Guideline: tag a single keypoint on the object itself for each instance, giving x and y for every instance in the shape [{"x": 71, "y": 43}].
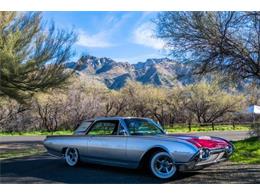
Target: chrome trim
[
  {"x": 196, "y": 155},
  {"x": 210, "y": 162},
  {"x": 214, "y": 151}
]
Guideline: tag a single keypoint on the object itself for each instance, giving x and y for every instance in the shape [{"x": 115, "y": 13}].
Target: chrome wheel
[
  {"x": 71, "y": 156},
  {"x": 162, "y": 165}
]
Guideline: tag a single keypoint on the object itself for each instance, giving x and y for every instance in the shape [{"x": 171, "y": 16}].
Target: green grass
[
  {"x": 35, "y": 133},
  {"x": 175, "y": 129},
  {"x": 20, "y": 153},
  {"x": 198, "y": 128},
  {"x": 247, "y": 151}
]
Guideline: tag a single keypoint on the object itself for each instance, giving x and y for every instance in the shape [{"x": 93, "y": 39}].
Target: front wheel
[
  {"x": 72, "y": 156},
  {"x": 162, "y": 165}
]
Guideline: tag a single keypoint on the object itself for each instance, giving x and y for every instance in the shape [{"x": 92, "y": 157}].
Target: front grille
[{"x": 213, "y": 158}]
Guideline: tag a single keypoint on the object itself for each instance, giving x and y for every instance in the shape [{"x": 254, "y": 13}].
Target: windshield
[{"x": 142, "y": 127}]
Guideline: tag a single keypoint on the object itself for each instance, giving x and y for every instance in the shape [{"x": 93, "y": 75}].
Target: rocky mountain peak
[{"x": 158, "y": 72}]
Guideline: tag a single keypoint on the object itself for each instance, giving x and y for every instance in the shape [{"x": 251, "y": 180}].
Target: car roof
[{"x": 114, "y": 118}]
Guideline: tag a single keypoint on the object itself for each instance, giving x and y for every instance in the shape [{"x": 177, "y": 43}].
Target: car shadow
[{"x": 46, "y": 169}]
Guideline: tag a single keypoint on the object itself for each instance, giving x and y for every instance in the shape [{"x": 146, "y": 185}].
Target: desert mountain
[{"x": 158, "y": 72}]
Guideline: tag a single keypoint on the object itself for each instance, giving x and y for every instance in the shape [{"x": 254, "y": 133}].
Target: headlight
[
  {"x": 229, "y": 149},
  {"x": 204, "y": 153}
]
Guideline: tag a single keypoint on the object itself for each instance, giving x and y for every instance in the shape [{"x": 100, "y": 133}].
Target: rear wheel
[
  {"x": 162, "y": 165},
  {"x": 72, "y": 156}
]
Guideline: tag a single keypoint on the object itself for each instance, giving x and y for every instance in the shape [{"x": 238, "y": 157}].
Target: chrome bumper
[{"x": 214, "y": 156}]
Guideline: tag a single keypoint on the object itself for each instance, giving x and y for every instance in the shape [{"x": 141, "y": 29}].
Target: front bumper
[{"x": 214, "y": 156}]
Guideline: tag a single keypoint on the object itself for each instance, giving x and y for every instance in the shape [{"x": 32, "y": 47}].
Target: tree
[
  {"x": 114, "y": 103},
  {"x": 136, "y": 98},
  {"x": 156, "y": 103},
  {"x": 14, "y": 116},
  {"x": 50, "y": 110},
  {"x": 59, "y": 109},
  {"x": 32, "y": 57},
  {"x": 208, "y": 102},
  {"x": 176, "y": 102},
  {"x": 144, "y": 101},
  {"x": 225, "y": 42},
  {"x": 84, "y": 100},
  {"x": 252, "y": 93}
]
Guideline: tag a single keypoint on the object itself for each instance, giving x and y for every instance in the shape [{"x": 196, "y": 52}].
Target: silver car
[{"x": 134, "y": 142}]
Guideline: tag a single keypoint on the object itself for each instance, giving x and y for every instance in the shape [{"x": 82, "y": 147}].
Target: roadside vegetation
[
  {"x": 20, "y": 150},
  {"x": 20, "y": 153},
  {"x": 205, "y": 104},
  {"x": 215, "y": 127},
  {"x": 178, "y": 128},
  {"x": 36, "y": 133},
  {"x": 247, "y": 151}
]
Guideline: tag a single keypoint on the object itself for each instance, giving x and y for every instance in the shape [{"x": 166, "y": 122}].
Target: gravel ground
[
  {"x": 46, "y": 169},
  {"x": 6, "y": 147},
  {"x": 12, "y": 139}
]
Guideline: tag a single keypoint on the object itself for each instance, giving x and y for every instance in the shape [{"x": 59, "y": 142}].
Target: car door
[{"x": 105, "y": 144}]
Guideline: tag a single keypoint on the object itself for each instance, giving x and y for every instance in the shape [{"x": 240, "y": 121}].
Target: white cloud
[
  {"x": 103, "y": 38},
  {"x": 99, "y": 40},
  {"x": 144, "y": 35}
]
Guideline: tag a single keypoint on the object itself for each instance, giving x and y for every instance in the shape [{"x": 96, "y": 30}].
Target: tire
[
  {"x": 162, "y": 165},
  {"x": 72, "y": 157}
]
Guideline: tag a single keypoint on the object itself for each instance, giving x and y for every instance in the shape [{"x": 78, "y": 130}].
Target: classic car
[{"x": 134, "y": 142}]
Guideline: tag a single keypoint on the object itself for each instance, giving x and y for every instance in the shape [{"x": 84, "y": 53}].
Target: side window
[{"x": 104, "y": 128}]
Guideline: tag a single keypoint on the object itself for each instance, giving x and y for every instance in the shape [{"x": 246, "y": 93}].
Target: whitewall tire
[
  {"x": 162, "y": 165},
  {"x": 72, "y": 156}
]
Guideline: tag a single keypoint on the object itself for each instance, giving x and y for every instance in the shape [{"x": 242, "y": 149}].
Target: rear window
[{"x": 83, "y": 127}]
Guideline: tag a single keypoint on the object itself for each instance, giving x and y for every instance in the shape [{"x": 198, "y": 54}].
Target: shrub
[{"x": 255, "y": 129}]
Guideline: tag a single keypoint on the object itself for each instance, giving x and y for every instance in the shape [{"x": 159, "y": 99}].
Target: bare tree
[
  {"x": 252, "y": 93},
  {"x": 50, "y": 111},
  {"x": 14, "y": 116},
  {"x": 176, "y": 102},
  {"x": 136, "y": 99},
  {"x": 208, "y": 102},
  {"x": 114, "y": 103},
  {"x": 225, "y": 42}
]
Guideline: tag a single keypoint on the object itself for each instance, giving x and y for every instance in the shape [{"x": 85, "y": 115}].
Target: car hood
[{"x": 203, "y": 141}]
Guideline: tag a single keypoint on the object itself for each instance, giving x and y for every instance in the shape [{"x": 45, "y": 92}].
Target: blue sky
[{"x": 122, "y": 36}]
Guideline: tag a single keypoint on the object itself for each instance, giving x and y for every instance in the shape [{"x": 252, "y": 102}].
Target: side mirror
[{"x": 122, "y": 132}]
